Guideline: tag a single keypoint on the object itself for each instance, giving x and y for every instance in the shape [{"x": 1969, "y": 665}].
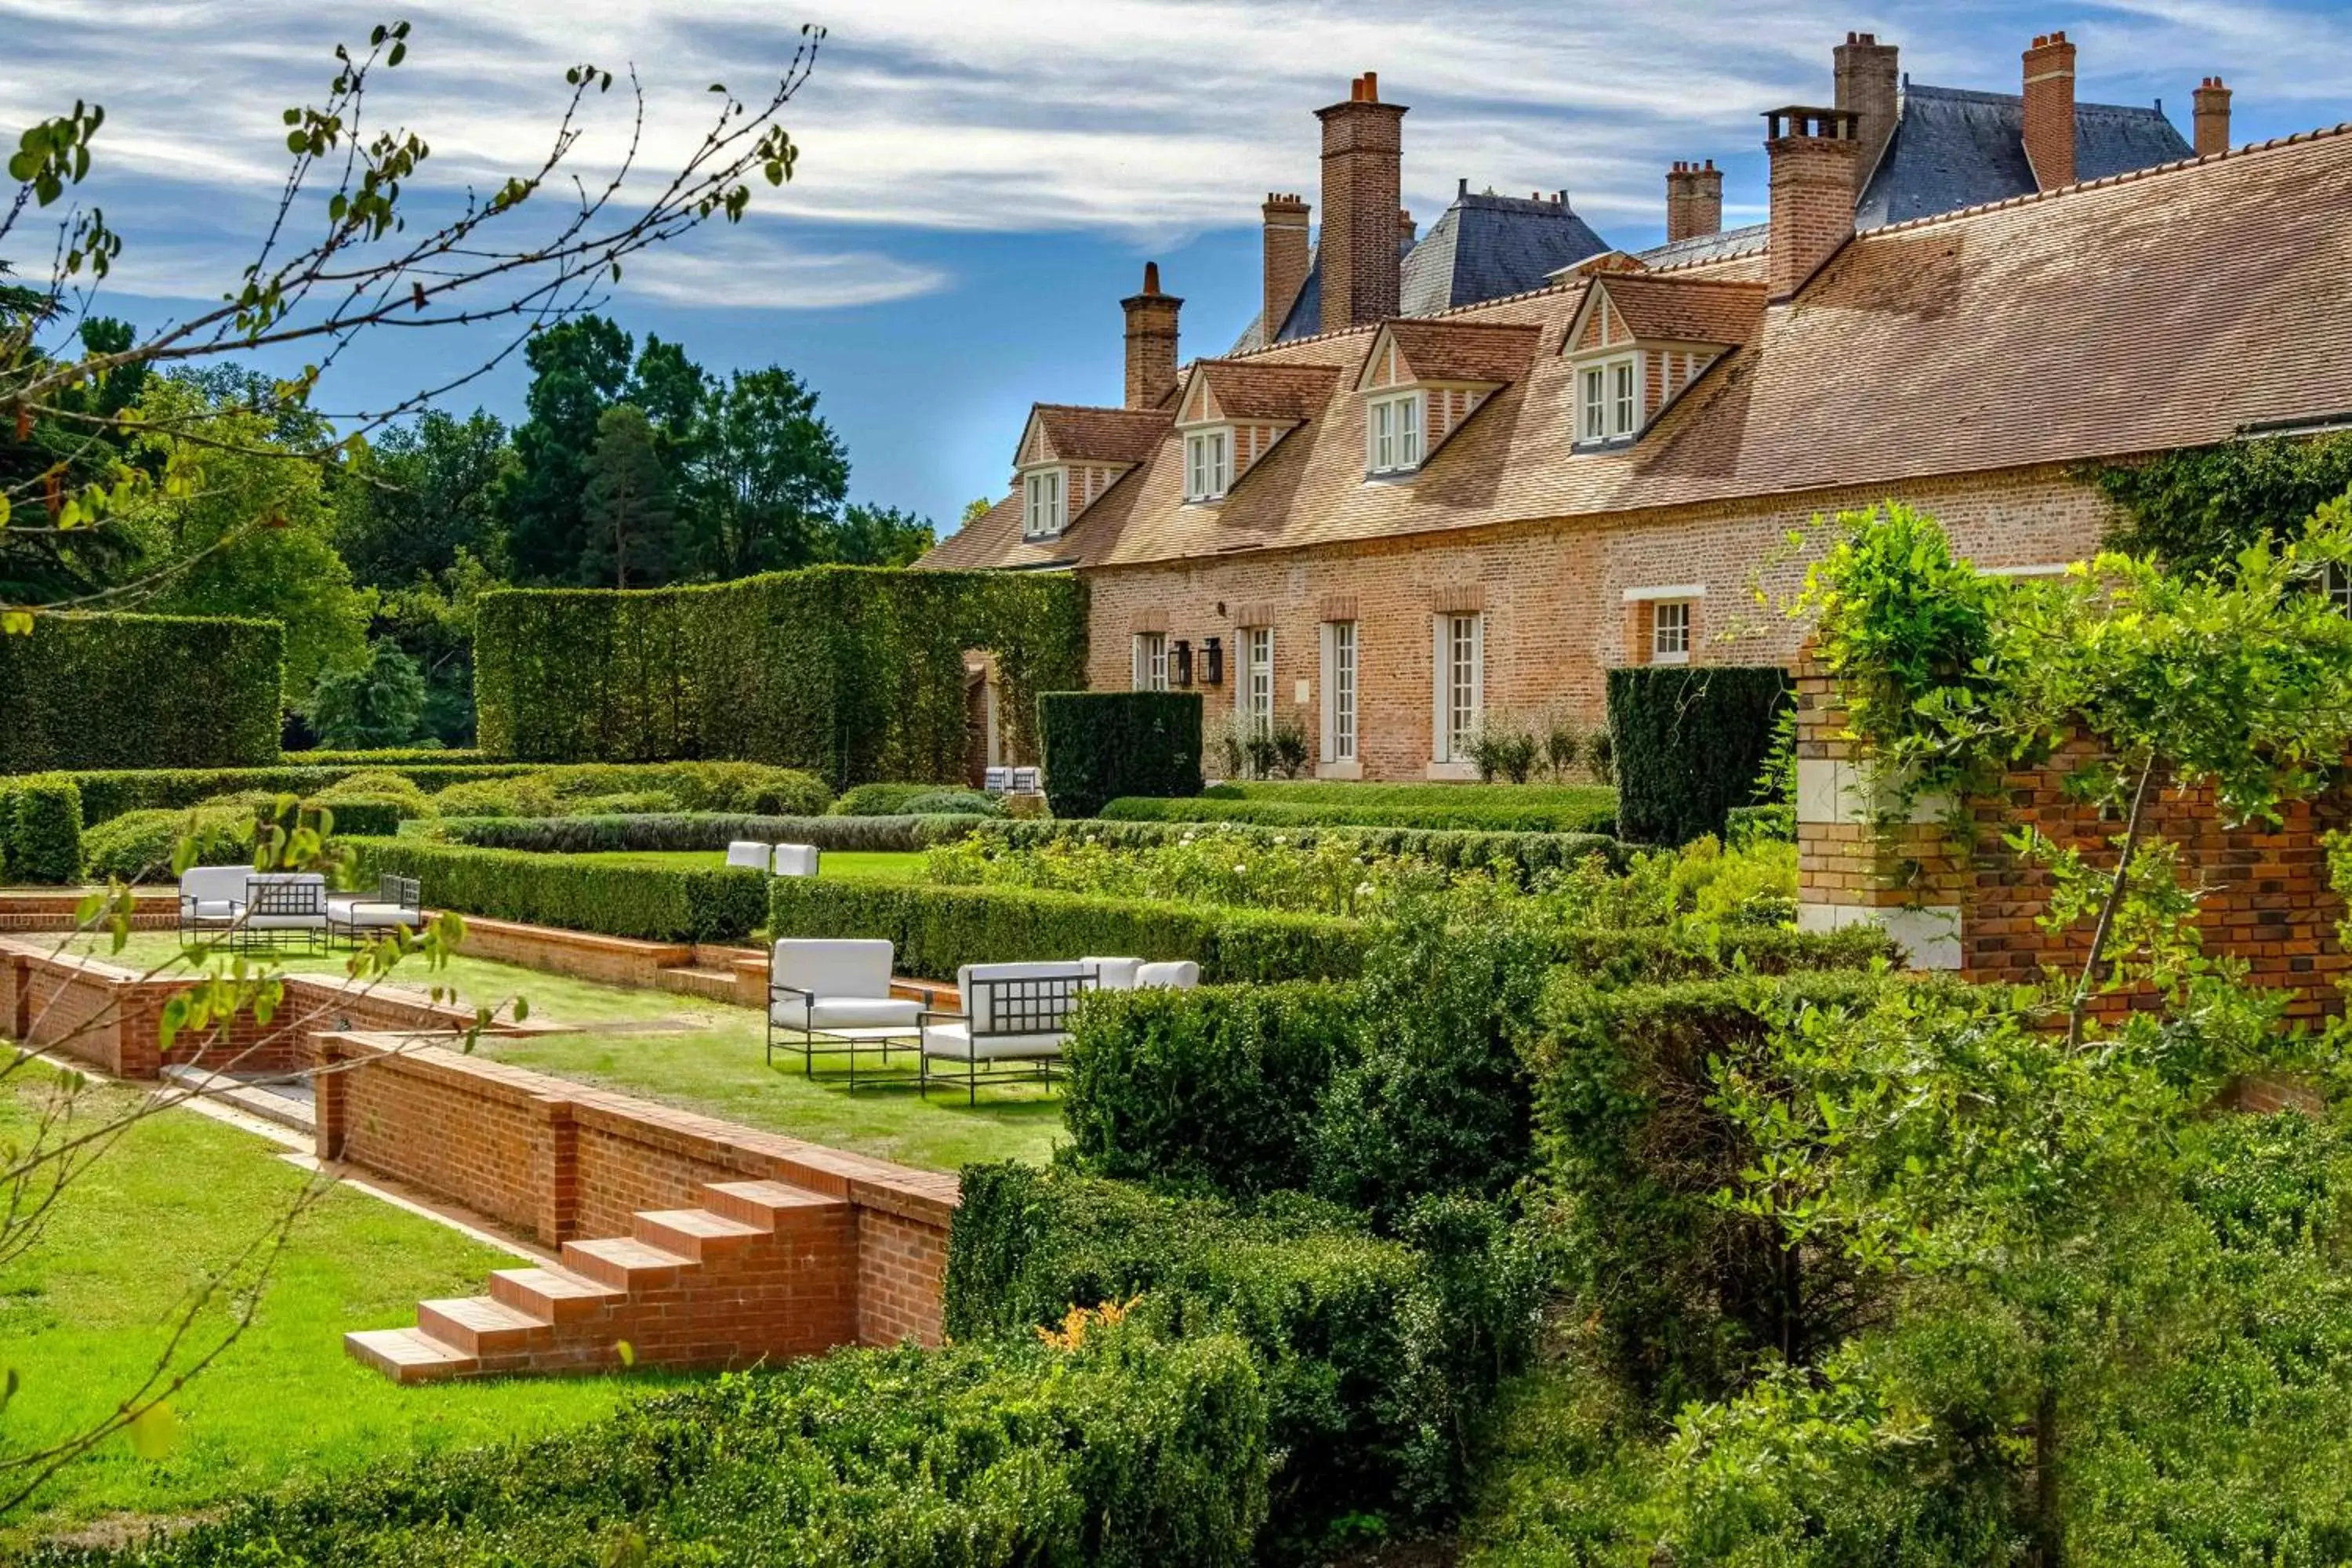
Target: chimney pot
[
  {"x": 2211, "y": 117},
  {"x": 2050, "y": 111},
  {"x": 1373, "y": 84},
  {"x": 1152, "y": 278}
]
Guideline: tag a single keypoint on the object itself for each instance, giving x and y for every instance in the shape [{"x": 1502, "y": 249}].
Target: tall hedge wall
[
  {"x": 139, "y": 691},
  {"x": 855, "y": 673},
  {"x": 1099, "y": 745},
  {"x": 1690, "y": 742}
]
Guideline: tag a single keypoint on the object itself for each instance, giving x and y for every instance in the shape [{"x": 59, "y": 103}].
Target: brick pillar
[
  {"x": 1693, "y": 200},
  {"x": 559, "y": 1197},
  {"x": 1868, "y": 82},
  {"x": 1907, "y": 877},
  {"x": 1150, "y": 343},
  {"x": 330, "y": 1091},
  {"x": 18, "y": 996}
]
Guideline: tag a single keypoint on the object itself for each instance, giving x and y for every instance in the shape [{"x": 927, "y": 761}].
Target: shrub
[
  {"x": 1525, "y": 854},
  {"x": 386, "y": 757},
  {"x": 1747, "y": 824},
  {"x": 1101, "y": 744},
  {"x": 1688, "y": 1292},
  {"x": 138, "y": 846},
  {"x": 955, "y": 802},
  {"x": 83, "y": 691},
  {"x": 1689, "y": 741},
  {"x": 1504, "y": 747},
  {"x": 650, "y": 903},
  {"x": 583, "y": 835},
  {"x": 938, "y": 929},
  {"x": 883, "y": 799},
  {"x": 853, "y": 673},
  {"x": 44, "y": 830},
  {"x": 372, "y": 802},
  {"x": 1215, "y": 1087},
  {"x": 1652, "y": 957},
  {"x": 518, "y": 796},
  {"x": 1125, "y": 1451},
  {"x": 1356, "y": 1336},
  {"x": 1494, "y": 809}
]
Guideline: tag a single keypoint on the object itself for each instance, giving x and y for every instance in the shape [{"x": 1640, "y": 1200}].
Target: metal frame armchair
[
  {"x": 831, "y": 997},
  {"x": 398, "y": 904},
  {"x": 1015, "y": 1016}
]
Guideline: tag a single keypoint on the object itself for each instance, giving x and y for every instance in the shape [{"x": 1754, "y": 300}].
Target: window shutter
[{"x": 1136, "y": 675}]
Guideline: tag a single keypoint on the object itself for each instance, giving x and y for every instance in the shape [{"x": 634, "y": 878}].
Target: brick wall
[
  {"x": 1553, "y": 595},
  {"x": 562, "y": 1162}
]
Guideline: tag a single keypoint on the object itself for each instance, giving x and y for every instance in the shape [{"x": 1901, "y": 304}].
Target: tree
[
  {"x": 631, "y": 512},
  {"x": 378, "y": 704},
  {"x": 770, "y": 477},
  {"x": 974, "y": 510},
  {"x": 877, "y": 536},
  {"x": 408, "y": 502},
  {"x": 579, "y": 370}
]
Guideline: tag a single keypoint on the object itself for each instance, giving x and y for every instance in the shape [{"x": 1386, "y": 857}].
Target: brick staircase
[{"x": 761, "y": 1270}]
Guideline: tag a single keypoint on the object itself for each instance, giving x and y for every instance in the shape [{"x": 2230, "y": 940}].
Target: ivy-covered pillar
[{"x": 1861, "y": 859}]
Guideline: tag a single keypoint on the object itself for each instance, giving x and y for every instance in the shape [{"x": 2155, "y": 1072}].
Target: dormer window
[
  {"x": 1393, "y": 430},
  {"x": 1208, "y": 465},
  {"x": 1044, "y": 504},
  {"x": 1608, "y": 400}
]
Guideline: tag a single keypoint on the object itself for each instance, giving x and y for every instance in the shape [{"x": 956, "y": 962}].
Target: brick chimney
[
  {"x": 1866, "y": 78},
  {"x": 1812, "y": 153},
  {"x": 2212, "y": 116},
  {"x": 1363, "y": 191},
  {"x": 1693, "y": 200},
  {"x": 1407, "y": 230},
  {"x": 1286, "y": 258},
  {"x": 1151, "y": 341},
  {"x": 2050, "y": 111}
]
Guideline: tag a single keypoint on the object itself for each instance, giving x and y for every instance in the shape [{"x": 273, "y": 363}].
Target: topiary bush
[
  {"x": 1126, "y": 1451},
  {"x": 853, "y": 673},
  {"x": 1215, "y": 1088},
  {"x": 138, "y": 846},
  {"x": 1098, "y": 745},
  {"x": 1690, "y": 742},
  {"x": 44, "y": 831},
  {"x": 886, "y": 799},
  {"x": 86, "y": 691},
  {"x": 374, "y": 802},
  {"x": 650, "y": 903}
]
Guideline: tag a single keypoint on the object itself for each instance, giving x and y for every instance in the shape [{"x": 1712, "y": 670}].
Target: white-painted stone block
[{"x": 1929, "y": 934}]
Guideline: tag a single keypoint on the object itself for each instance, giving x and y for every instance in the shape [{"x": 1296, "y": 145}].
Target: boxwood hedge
[
  {"x": 40, "y": 830},
  {"x": 1526, "y": 853},
  {"x": 1690, "y": 740},
  {"x": 1128, "y": 1451},
  {"x": 1470, "y": 807},
  {"x": 650, "y": 903},
  {"x": 139, "y": 691},
  {"x": 672, "y": 831},
  {"x": 855, "y": 673},
  {"x": 1097, "y": 745},
  {"x": 938, "y": 929}
]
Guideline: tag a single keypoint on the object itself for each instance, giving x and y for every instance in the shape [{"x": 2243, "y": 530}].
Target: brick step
[
  {"x": 763, "y": 1203},
  {"x": 624, "y": 1261},
  {"x": 481, "y": 1325},
  {"x": 409, "y": 1355},
  {"x": 712, "y": 984},
  {"x": 555, "y": 1295}
]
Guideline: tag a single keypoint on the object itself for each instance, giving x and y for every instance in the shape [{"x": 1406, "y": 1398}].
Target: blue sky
[{"x": 980, "y": 181}]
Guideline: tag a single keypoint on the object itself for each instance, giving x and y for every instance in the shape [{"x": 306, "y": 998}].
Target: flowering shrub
[{"x": 1214, "y": 866}]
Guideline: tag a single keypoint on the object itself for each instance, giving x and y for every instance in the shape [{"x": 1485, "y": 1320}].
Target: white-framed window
[
  {"x": 2339, "y": 589},
  {"x": 1257, "y": 689},
  {"x": 1670, "y": 631},
  {"x": 1152, "y": 661},
  {"x": 1043, "y": 504},
  {"x": 1208, "y": 464},
  {"x": 1609, "y": 399},
  {"x": 1339, "y": 691},
  {"x": 1461, "y": 686},
  {"x": 1393, "y": 431}
]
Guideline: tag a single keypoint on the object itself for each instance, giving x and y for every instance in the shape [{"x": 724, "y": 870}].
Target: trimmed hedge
[
  {"x": 40, "y": 830},
  {"x": 672, "y": 831},
  {"x": 650, "y": 903},
  {"x": 936, "y": 929},
  {"x": 1215, "y": 1088},
  {"x": 1690, "y": 742},
  {"x": 127, "y": 691},
  {"x": 1127, "y": 1452},
  {"x": 1759, "y": 824},
  {"x": 1456, "y": 850},
  {"x": 853, "y": 673},
  {"x": 1480, "y": 810},
  {"x": 1653, "y": 956},
  {"x": 385, "y": 757},
  {"x": 1378, "y": 1357},
  {"x": 1098, "y": 745}
]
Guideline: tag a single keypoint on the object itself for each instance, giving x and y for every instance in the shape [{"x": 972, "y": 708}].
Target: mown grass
[{"x": 86, "y": 1313}]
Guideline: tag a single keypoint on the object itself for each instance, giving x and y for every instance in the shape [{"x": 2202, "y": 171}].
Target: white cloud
[{"x": 753, "y": 272}]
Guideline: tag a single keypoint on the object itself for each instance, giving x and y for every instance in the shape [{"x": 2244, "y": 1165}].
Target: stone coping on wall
[{"x": 54, "y": 908}]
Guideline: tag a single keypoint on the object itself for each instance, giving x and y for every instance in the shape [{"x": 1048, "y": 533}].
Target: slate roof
[
  {"x": 1082, "y": 435},
  {"x": 1464, "y": 351},
  {"x": 1482, "y": 248},
  {"x": 1722, "y": 244},
  {"x": 2050, "y": 329},
  {"x": 1954, "y": 147},
  {"x": 1686, "y": 310}
]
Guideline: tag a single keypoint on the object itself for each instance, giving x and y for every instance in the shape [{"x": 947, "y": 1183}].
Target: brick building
[{"x": 1474, "y": 470}]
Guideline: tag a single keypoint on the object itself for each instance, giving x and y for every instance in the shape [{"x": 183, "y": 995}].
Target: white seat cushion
[
  {"x": 832, "y": 967},
  {"x": 358, "y": 909},
  {"x": 286, "y": 922},
  {"x": 1114, "y": 974},
  {"x": 795, "y": 861},
  {"x": 954, "y": 1042},
  {"x": 210, "y": 910},
  {"x": 848, "y": 1012},
  {"x": 1180, "y": 974},
  {"x": 742, "y": 852}
]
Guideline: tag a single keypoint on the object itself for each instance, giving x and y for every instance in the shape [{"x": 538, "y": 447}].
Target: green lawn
[
  {"x": 710, "y": 1056},
  {"x": 880, "y": 865},
  {"x": 84, "y": 1314}
]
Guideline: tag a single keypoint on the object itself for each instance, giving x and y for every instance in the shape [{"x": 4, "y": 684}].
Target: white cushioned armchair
[
  {"x": 820, "y": 986},
  {"x": 1014, "y": 1014}
]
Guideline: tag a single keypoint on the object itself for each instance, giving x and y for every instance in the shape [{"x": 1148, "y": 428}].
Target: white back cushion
[
  {"x": 1114, "y": 974},
  {"x": 743, "y": 852},
  {"x": 833, "y": 966},
  {"x": 795, "y": 861},
  {"x": 214, "y": 883},
  {"x": 1181, "y": 974}
]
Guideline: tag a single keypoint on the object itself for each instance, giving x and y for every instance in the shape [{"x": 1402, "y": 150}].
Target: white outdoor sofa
[
  {"x": 253, "y": 908},
  {"x": 776, "y": 859},
  {"x": 398, "y": 904},
  {"x": 831, "y": 997},
  {"x": 1016, "y": 1018}
]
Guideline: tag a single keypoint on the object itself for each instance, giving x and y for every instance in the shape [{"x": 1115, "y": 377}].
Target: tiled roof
[
  {"x": 1466, "y": 351},
  {"x": 1254, "y": 390},
  {"x": 1953, "y": 149},
  {"x": 1724, "y": 245},
  {"x": 2081, "y": 324},
  {"x": 1686, "y": 310},
  {"x": 993, "y": 540},
  {"x": 1102, "y": 434}
]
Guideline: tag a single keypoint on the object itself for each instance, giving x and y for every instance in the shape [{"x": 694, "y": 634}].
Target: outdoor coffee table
[{"x": 853, "y": 1044}]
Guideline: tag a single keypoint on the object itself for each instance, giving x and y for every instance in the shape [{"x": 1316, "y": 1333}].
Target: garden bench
[
  {"x": 282, "y": 907},
  {"x": 831, "y": 997},
  {"x": 397, "y": 902}
]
